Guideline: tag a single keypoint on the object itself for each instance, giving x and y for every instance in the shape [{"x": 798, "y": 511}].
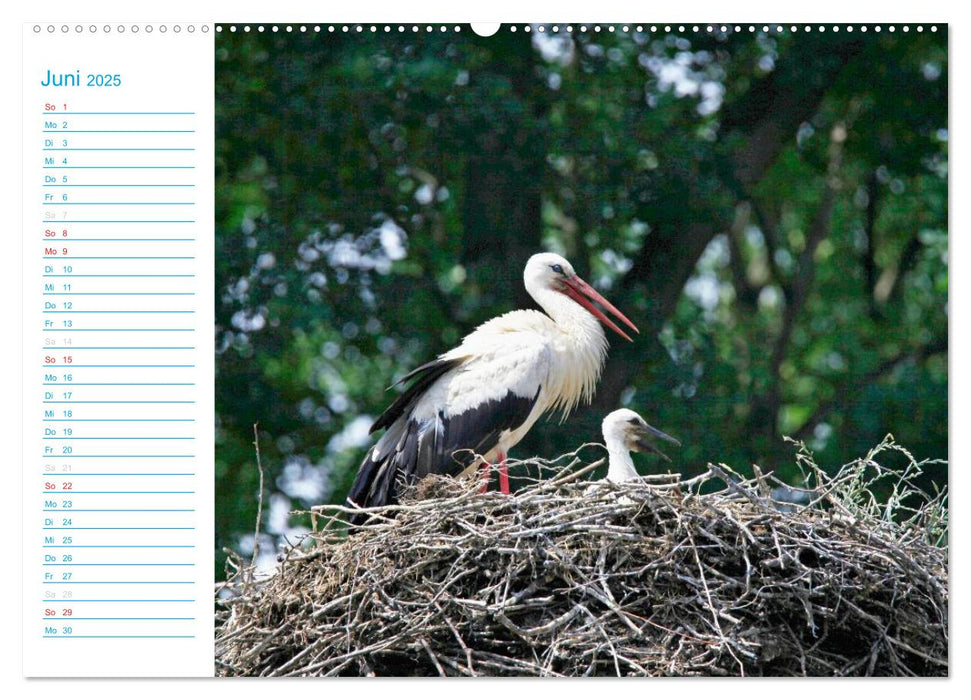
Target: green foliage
[{"x": 770, "y": 209}]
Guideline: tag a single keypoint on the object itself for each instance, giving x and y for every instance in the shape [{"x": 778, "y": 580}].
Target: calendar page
[
  {"x": 507, "y": 349},
  {"x": 118, "y": 361}
]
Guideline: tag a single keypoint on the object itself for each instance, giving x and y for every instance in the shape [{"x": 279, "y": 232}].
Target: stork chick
[{"x": 623, "y": 431}]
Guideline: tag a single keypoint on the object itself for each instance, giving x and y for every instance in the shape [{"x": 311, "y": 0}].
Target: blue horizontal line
[
  {"x": 75, "y": 240},
  {"x": 121, "y": 474},
  {"x": 124, "y": 185},
  {"x": 116, "y": 420},
  {"x": 119, "y": 167},
  {"x": 119, "y": 275},
  {"x": 120, "y": 257},
  {"x": 120, "y": 600},
  {"x": 118, "y": 636},
  {"x": 123, "y": 311},
  {"x": 119, "y": 347},
  {"x": 124, "y": 294},
  {"x": 125, "y": 456},
  {"x": 71, "y": 583},
  {"x": 118, "y": 221},
  {"x": 119, "y": 528},
  {"x": 72, "y": 492},
  {"x": 118, "y": 384},
  {"x": 119, "y": 546},
  {"x": 113, "y": 330},
  {"x": 119, "y": 401},
  {"x": 115, "y": 204},
  {"x": 119, "y": 564},
  {"x": 76, "y": 365},
  {"x": 119, "y": 438},
  {"x": 118, "y": 131},
  {"x": 128, "y": 113},
  {"x": 116, "y": 366},
  {"x": 120, "y": 366},
  {"x": 72, "y": 617},
  {"x": 116, "y": 149}
]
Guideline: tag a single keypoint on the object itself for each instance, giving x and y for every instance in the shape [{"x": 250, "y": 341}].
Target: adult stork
[
  {"x": 473, "y": 403},
  {"x": 624, "y": 431}
]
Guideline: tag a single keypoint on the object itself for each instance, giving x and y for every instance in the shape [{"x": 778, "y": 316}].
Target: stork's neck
[
  {"x": 621, "y": 465},
  {"x": 580, "y": 346},
  {"x": 574, "y": 320}
]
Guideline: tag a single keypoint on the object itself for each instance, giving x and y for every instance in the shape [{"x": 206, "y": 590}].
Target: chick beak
[{"x": 643, "y": 437}]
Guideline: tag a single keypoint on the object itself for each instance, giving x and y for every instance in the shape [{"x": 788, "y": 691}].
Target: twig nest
[{"x": 675, "y": 578}]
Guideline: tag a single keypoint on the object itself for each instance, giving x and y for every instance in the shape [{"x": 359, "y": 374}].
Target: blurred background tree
[{"x": 770, "y": 208}]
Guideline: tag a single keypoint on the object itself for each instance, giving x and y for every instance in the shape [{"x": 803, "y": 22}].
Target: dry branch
[{"x": 646, "y": 578}]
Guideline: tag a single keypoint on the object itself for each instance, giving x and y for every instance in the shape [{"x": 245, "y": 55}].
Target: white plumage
[
  {"x": 623, "y": 431},
  {"x": 483, "y": 396}
]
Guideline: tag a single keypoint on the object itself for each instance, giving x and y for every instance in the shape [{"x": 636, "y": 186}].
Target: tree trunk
[
  {"x": 505, "y": 162},
  {"x": 758, "y": 127}
]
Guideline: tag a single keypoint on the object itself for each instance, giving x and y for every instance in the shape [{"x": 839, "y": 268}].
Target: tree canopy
[{"x": 770, "y": 208}]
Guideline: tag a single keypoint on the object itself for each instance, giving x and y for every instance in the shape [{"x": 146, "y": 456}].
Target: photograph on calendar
[{"x": 581, "y": 350}]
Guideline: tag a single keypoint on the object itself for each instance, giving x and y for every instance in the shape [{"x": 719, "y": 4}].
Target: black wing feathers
[
  {"x": 477, "y": 430},
  {"x": 427, "y": 375},
  {"x": 362, "y": 484},
  {"x": 446, "y": 445}
]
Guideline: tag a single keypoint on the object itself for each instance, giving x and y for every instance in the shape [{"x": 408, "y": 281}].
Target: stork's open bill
[
  {"x": 470, "y": 405},
  {"x": 623, "y": 431}
]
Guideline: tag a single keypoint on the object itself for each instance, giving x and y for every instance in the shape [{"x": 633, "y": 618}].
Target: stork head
[
  {"x": 554, "y": 272},
  {"x": 624, "y": 428}
]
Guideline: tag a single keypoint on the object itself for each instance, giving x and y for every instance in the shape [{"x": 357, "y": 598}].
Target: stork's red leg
[
  {"x": 486, "y": 473},
  {"x": 503, "y": 473}
]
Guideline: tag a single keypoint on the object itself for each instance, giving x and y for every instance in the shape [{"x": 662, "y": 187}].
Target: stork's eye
[{"x": 558, "y": 269}]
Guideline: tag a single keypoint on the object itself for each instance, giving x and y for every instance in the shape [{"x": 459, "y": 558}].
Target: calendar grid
[{"x": 118, "y": 353}]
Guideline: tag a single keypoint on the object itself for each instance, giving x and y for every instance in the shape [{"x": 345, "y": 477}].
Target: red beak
[{"x": 583, "y": 294}]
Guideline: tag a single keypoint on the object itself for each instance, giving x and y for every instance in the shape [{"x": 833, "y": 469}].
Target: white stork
[
  {"x": 482, "y": 397},
  {"x": 623, "y": 431}
]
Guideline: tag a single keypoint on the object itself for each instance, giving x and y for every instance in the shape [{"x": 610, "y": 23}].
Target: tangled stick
[{"x": 658, "y": 577}]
